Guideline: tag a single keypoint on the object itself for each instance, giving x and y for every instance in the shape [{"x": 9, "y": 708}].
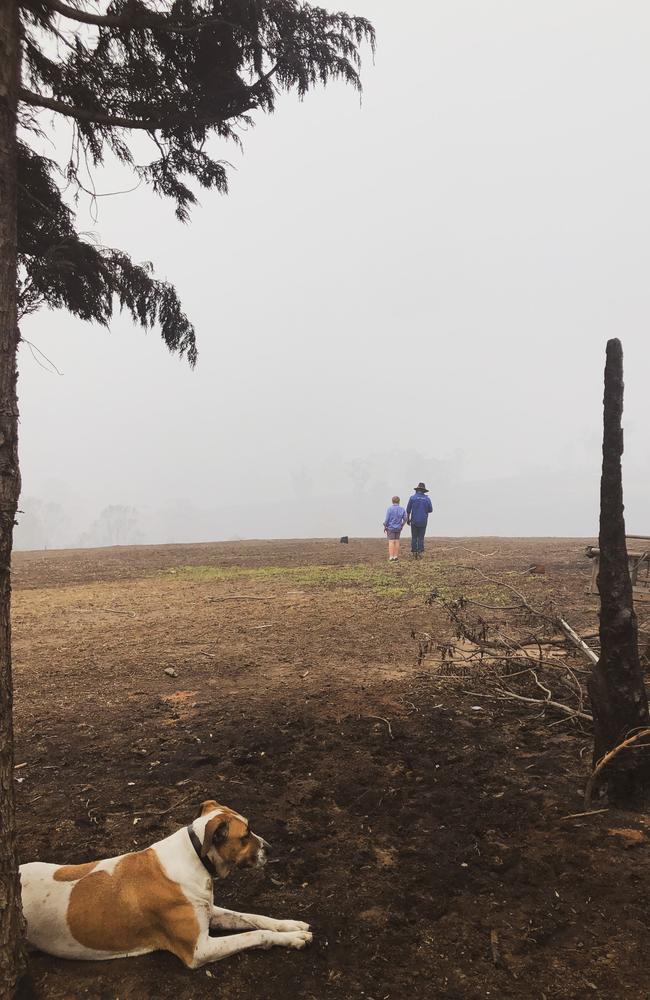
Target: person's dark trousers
[{"x": 417, "y": 537}]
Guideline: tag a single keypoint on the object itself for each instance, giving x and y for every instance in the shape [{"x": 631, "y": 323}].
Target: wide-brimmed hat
[{"x": 421, "y": 486}]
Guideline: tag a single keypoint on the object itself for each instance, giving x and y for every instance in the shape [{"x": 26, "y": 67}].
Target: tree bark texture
[
  {"x": 12, "y": 954},
  {"x": 616, "y": 687}
]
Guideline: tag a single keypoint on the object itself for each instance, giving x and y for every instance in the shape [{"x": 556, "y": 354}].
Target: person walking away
[
  {"x": 417, "y": 514},
  {"x": 393, "y": 523}
]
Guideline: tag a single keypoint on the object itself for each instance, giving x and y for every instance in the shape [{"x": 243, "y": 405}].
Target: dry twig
[
  {"x": 590, "y": 812},
  {"x": 111, "y": 611},
  {"x": 494, "y": 947},
  {"x": 240, "y": 597},
  {"x": 517, "y": 593},
  {"x": 608, "y": 757},
  {"x": 153, "y": 812},
  {"x": 474, "y": 552},
  {"x": 380, "y": 718}
]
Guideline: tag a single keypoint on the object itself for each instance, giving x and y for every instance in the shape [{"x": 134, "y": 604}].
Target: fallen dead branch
[
  {"x": 577, "y": 641},
  {"x": 542, "y": 702},
  {"x": 532, "y": 644}
]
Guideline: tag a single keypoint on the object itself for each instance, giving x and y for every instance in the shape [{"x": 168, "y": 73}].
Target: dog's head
[{"x": 227, "y": 840}]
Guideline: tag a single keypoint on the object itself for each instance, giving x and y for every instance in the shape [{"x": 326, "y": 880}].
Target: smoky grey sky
[{"x": 417, "y": 286}]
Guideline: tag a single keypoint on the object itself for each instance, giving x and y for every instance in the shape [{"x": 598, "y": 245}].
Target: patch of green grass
[
  {"x": 200, "y": 574},
  {"x": 392, "y": 592},
  {"x": 392, "y": 582}
]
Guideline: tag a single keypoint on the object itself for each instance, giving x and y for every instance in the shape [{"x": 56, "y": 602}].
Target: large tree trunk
[
  {"x": 12, "y": 954},
  {"x": 616, "y": 688}
]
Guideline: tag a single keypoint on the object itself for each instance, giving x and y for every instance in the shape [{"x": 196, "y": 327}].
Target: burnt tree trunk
[
  {"x": 12, "y": 954},
  {"x": 616, "y": 687}
]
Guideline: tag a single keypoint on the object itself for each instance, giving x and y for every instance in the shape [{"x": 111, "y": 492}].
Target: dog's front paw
[
  {"x": 290, "y": 925},
  {"x": 294, "y": 939},
  {"x": 301, "y": 938}
]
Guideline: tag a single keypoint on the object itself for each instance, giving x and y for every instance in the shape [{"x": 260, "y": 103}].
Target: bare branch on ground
[{"x": 608, "y": 757}]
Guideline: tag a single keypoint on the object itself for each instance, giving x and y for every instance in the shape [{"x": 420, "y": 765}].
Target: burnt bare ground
[{"x": 420, "y": 828}]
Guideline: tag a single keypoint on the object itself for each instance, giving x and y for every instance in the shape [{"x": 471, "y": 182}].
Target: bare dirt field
[{"x": 420, "y": 828}]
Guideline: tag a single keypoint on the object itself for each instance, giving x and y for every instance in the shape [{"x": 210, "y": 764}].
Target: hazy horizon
[{"x": 419, "y": 286}]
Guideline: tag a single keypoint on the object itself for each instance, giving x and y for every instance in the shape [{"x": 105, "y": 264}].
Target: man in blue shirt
[{"x": 417, "y": 514}]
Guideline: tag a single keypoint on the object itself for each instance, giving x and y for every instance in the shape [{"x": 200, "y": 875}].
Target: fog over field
[{"x": 419, "y": 286}]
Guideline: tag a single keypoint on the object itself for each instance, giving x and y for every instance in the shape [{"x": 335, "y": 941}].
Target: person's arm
[
  {"x": 430, "y": 505},
  {"x": 386, "y": 520},
  {"x": 409, "y": 507},
  {"x": 403, "y": 517}
]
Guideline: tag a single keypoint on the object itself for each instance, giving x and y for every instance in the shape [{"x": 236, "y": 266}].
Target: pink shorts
[{"x": 393, "y": 536}]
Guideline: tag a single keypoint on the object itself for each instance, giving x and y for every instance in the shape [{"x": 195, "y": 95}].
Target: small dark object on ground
[
  {"x": 344, "y": 539},
  {"x": 537, "y": 569}
]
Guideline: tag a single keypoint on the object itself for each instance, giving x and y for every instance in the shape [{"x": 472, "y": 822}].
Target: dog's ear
[
  {"x": 216, "y": 833},
  {"x": 207, "y": 807}
]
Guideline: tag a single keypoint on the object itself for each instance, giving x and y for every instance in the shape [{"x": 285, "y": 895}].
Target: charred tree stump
[{"x": 618, "y": 697}]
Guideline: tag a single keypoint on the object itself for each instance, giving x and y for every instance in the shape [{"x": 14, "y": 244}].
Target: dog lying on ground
[{"x": 157, "y": 899}]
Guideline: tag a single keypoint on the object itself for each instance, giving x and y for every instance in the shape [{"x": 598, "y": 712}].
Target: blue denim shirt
[
  {"x": 419, "y": 507},
  {"x": 395, "y": 518}
]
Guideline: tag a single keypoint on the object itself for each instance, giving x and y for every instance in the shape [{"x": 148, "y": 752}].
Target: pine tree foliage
[
  {"x": 64, "y": 270},
  {"x": 184, "y": 73}
]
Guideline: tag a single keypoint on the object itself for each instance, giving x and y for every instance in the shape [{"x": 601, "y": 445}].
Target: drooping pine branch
[{"x": 62, "y": 270}]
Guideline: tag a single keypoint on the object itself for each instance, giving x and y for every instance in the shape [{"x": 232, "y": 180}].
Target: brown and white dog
[{"x": 157, "y": 899}]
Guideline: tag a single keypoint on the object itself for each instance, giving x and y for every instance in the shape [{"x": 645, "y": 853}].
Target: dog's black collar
[{"x": 196, "y": 844}]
